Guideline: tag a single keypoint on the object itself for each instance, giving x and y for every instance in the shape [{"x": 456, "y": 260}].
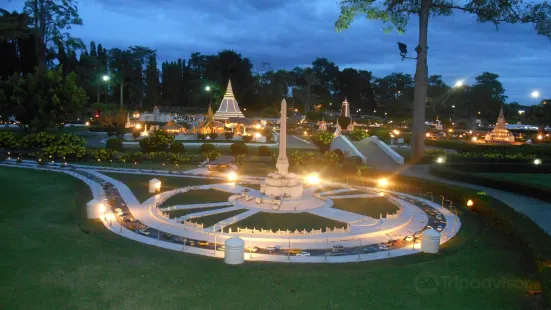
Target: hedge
[{"x": 464, "y": 175}]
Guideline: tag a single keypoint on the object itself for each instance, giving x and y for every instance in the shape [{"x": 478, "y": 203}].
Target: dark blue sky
[{"x": 288, "y": 33}]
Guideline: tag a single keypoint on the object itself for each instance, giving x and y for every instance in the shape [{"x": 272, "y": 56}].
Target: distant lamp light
[
  {"x": 537, "y": 161},
  {"x": 427, "y": 135},
  {"x": 470, "y": 203},
  {"x": 138, "y": 126},
  {"x": 106, "y": 78},
  {"x": 257, "y": 135},
  {"x": 232, "y": 176},
  {"x": 87, "y": 123},
  {"x": 520, "y": 112},
  {"x": 459, "y": 83},
  {"x": 450, "y": 130},
  {"x": 207, "y": 88},
  {"x": 305, "y": 132},
  {"x": 313, "y": 178},
  {"x": 535, "y": 94},
  {"x": 257, "y": 126},
  {"x": 440, "y": 160},
  {"x": 101, "y": 208},
  {"x": 396, "y": 132},
  {"x": 540, "y": 137},
  {"x": 474, "y": 139},
  {"x": 382, "y": 182}
]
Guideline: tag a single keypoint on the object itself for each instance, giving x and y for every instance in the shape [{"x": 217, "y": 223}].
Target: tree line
[{"x": 41, "y": 56}]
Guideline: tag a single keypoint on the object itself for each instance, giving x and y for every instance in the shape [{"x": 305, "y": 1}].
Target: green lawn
[
  {"x": 210, "y": 220},
  {"x": 539, "y": 180},
  {"x": 372, "y": 207},
  {"x": 54, "y": 258},
  {"x": 256, "y": 169},
  {"x": 199, "y": 196},
  {"x": 142, "y": 165},
  {"x": 139, "y": 183},
  {"x": 286, "y": 221},
  {"x": 183, "y": 212}
]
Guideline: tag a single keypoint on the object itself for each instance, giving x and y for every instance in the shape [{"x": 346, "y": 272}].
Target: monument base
[{"x": 278, "y": 185}]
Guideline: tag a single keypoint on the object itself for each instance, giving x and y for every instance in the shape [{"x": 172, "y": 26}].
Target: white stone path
[
  {"x": 207, "y": 213},
  {"x": 196, "y": 206},
  {"x": 231, "y": 220},
  {"x": 338, "y": 191}
]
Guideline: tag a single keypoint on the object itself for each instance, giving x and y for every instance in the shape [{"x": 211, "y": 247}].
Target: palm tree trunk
[{"x": 421, "y": 85}]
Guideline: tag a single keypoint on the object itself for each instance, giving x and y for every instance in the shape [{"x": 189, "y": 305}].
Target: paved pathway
[
  {"x": 537, "y": 210},
  {"x": 196, "y": 206},
  {"x": 207, "y": 213}
]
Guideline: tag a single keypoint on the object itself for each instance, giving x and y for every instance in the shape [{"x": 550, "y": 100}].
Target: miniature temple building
[
  {"x": 500, "y": 134},
  {"x": 173, "y": 127},
  {"x": 229, "y": 106},
  {"x": 322, "y": 125},
  {"x": 345, "y": 108}
]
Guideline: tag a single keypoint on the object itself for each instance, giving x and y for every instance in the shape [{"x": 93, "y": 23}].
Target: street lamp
[
  {"x": 535, "y": 94},
  {"x": 106, "y": 78},
  {"x": 208, "y": 89},
  {"x": 459, "y": 83}
]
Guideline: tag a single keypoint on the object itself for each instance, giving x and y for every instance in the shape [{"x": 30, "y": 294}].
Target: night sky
[{"x": 288, "y": 33}]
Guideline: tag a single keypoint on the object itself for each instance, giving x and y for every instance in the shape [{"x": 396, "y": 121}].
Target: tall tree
[
  {"x": 51, "y": 20},
  {"x": 397, "y": 14},
  {"x": 152, "y": 87},
  {"x": 45, "y": 98}
]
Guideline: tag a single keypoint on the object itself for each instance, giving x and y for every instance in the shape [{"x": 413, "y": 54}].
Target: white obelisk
[{"x": 282, "y": 164}]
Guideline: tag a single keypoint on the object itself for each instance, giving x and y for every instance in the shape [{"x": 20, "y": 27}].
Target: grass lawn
[
  {"x": 49, "y": 261},
  {"x": 142, "y": 165},
  {"x": 210, "y": 220},
  {"x": 139, "y": 183},
  {"x": 179, "y": 213},
  {"x": 327, "y": 188},
  {"x": 372, "y": 207},
  {"x": 199, "y": 196},
  {"x": 256, "y": 169},
  {"x": 538, "y": 180},
  {"x": 286, "y": 221}
]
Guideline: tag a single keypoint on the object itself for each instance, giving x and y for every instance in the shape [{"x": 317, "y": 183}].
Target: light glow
[
  {"x": 540, "y": 137},
  {"x": 427, "y": 135},
  {"x": 382, "y": 182},
  {"x": 87, "y": 123},
  {"x": 313, "y": 178},
  {"x": 440, "y": 160},
  {"x": 470, "y": 203},
  {"x": 257, "y": 135},
  {"x": 232, "y": 176},
  {"x": 459, "y": 83},
  {"x": 101, "y": 208},
  {"x": 537, "y": 161},
  {"x": 474, "y": 139},
  {"x": 138, "y": 126},
  {"x": 535, "y": 94}
]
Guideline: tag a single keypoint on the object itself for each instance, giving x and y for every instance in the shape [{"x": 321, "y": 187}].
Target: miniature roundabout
[{"x": 326, "y": 223}]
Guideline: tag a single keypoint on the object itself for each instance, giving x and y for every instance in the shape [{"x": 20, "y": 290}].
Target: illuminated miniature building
[
  {"x": 500, "y": 134},
  {"x": 228, "y": 107}
]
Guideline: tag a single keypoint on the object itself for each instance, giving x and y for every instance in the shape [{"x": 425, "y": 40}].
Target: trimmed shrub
[
  {"x": 114, "y": 144},
  {"x": 177, "y": 147},
  {"x": 8, "y": 140},
  {"x": 207, "y": 147},
  {"x": 358, "y": 134},
  {"x": 213, "y": 135},
  {"x": 228, "y": 135},
  {"x": 239, "y": 148},
  {"x": 158, "y": 141},
  {"x": 201, "y": 136},
  {"x": 339, "y": 154},
  {"x": 212, "y": 154},
  {"x": 322, "y": 139},
  {"x": 264, "y": 151},
  {"x": 268, "y": 133},
  {"x": 248, "y": 138}
]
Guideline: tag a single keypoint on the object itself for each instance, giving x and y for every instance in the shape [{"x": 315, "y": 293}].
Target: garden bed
[
  {"x": 372, "y": 207},
  {"x": 197, "y": 196},
  {"x": 284, "y": 221}
]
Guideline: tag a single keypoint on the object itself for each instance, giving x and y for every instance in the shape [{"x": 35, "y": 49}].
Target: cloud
[{"x": 287, "y": 33}]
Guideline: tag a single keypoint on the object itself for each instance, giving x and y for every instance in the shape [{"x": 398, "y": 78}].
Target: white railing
[{"x": 279, "y": 232}]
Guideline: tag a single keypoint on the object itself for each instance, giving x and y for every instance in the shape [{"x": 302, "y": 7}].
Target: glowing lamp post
[
  {"x": 470, "y": 203},
  {"x": 537, "y": 161},
  {"x": 382, "y": 182},
  {"x": 154, "y": 186},
  {"x": 232, "y": 176},
  {"x": 440, "y": 160},
  {"x": 138, "y": 126},
  {"x": 313, "y": 178}
]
